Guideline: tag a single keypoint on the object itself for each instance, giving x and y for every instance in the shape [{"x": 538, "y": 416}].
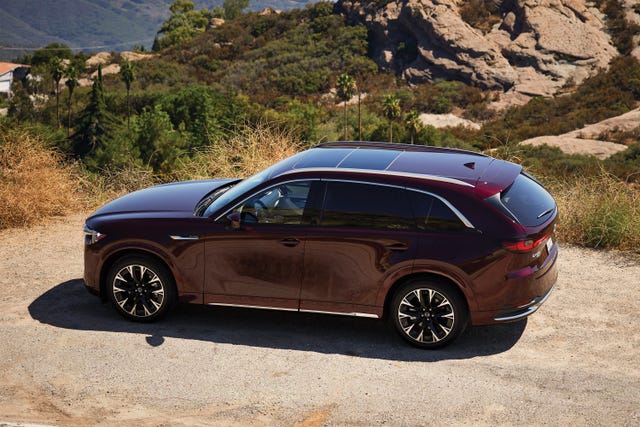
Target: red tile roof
[{"x": 5, "y": 67}]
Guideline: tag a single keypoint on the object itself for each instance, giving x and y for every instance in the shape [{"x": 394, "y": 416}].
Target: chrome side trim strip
[
  {"x": 222, "y": 304},
  {"x": 184, "y": 237},
  {"x": 353, "y": 313}
]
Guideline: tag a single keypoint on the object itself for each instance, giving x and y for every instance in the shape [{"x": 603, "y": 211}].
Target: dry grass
[
  {"x": 599, "y": 212},
  {"x": 242, "y": 154},
  {"x": 113, "y": 183},
  {"x": 35, "y": 183}
]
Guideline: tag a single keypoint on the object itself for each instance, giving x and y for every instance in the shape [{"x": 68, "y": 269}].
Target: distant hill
[{"x": 113, "y": 25}]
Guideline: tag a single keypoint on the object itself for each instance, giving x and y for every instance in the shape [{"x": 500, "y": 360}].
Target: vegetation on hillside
[{"x": 227, "y": 101}]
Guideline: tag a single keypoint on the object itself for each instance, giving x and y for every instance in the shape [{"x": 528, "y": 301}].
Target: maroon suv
[{"x": 430, "y": 238}]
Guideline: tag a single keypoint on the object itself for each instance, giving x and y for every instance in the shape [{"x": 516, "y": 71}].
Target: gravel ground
[{"x": 66, "y": 359}]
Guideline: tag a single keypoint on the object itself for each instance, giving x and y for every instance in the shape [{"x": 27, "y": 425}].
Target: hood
[{"x": 173, "y": 197}]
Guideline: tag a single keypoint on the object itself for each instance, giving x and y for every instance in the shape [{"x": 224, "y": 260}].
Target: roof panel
[
  {"x": 365, "y": 158},
  {"x": 322, "y": 158}
]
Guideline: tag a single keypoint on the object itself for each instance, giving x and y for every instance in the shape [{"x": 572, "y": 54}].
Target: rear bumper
[
  {"x": 522, "y": 293},
  {"x": 520, "y": 312}
]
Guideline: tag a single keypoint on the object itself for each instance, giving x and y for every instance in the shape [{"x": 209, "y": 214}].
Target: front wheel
[
  {"x": 141, "y": 288},
  {"x": 428, "y": 314}
]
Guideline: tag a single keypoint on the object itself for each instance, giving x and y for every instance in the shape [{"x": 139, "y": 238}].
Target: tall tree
[
  {"x": 92, "y": 131},
  {"x": 391, "y": 110},
  {"x": 71, "y": 73},
  {"x": 128, "y": 76},
  {"x": 56, "y": 69},
  {"x": 413, "y": 123},
  {"x": 346, "y": 88},
  {"x": 233, "y": 8},
  {"x": 20, "y": 105},
  {"x": 183, "y": 24}
]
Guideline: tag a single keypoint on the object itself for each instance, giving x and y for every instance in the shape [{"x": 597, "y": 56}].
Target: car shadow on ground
[{"x": 68, "y": 305}]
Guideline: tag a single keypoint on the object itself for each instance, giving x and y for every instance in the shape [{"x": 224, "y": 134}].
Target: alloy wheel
[
  {"x": 426, "y": 315},
  {"x": 138, "y": 290}
]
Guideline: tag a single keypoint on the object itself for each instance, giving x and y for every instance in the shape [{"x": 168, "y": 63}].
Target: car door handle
[
  {"x": 397, "y": 247},
  {"x": 290, "y": 242}
]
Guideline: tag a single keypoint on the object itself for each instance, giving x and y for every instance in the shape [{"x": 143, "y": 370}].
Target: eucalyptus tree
[{"x": 346, "y": 88}]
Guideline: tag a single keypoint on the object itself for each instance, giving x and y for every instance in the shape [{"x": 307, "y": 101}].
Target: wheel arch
[{"x": 124, "y": 252}]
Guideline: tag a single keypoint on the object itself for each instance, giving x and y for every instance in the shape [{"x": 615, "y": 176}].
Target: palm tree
[
  {"x": 413, "y": 122},
  {"x": 56, "y": 68},
  {"x": 391, "y": 110},
  {"x": 72, "y": 82},
  {"x": 346, "y": 88},
  {"x": 128, "y": 76}
]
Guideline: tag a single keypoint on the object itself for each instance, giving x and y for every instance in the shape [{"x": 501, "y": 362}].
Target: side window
[
  {"x": 359, "y": 205},
  {"x": 282, "y": 204},
  {"x": 433, "y": 215}
]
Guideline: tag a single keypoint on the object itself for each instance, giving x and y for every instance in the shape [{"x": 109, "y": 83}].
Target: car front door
[{"x": 256, "y": 259}]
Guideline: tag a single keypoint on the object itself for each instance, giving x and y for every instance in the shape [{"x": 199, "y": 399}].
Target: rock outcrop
[
  {"x": 538, "y": 47},
  {"x": 588, "y": 139}
]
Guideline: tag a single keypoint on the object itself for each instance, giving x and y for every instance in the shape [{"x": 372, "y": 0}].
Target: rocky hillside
[{"x": 526, "y": 48}]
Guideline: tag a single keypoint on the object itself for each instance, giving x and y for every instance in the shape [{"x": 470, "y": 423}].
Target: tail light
[{"x": 525, "y": 245}]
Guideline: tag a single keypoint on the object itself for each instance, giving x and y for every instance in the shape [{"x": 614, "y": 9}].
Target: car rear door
[{"x": 364, "y": 235}]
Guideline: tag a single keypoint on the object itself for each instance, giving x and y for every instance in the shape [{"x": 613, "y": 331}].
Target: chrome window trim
[{"x": 456, "y": 212}]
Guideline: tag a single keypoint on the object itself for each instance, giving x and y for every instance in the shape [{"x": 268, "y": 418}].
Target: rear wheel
[
  {"x": 141, "y": 288},
  {"x": 428, "y": 314}
]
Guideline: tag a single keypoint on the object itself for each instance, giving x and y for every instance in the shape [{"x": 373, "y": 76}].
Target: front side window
[
  {"x": 359, "y": 205},
  {"x": 282, "y": 204}
]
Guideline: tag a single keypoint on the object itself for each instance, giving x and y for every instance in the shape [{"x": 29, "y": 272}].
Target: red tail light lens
[{"x": 524, "y": 245}]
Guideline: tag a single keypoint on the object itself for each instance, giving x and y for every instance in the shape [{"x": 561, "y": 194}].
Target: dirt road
[{"x": 66, "y": 359}]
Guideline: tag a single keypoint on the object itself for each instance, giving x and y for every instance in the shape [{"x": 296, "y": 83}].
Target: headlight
[{"x": 92, "y": 236}]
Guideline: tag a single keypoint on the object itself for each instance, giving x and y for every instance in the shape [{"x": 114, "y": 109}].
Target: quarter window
[
  {"x": 348, "y": 204},
  {"x": 434, "y": 215}
]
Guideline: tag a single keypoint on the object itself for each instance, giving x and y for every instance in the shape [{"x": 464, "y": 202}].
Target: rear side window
[
  {"x": 350, "y": 204},
  {"x": 433, "y": 215},
  {"x": 528, "y": 201}
]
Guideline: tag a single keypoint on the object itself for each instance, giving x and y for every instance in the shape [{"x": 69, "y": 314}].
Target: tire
[
  {"x": 428, "y": 314},
  {"x": 141, "y": 288}
]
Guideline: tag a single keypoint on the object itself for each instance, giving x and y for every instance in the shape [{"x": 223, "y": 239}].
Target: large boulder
[{"x": 538, "y": 47}]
